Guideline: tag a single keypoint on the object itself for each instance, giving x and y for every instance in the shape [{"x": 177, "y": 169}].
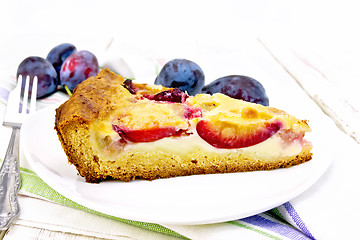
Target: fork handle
[{"x": 10, "y": 182}]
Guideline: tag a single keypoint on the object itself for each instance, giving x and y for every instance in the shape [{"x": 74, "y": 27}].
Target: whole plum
[
  {"x": 239, "y": 87},
  {"x": 44, "y": 70},
  {"x": 183, "y": 74},
  {"x": 58, "y": 55},
  {"x": 78, "y": 67}
]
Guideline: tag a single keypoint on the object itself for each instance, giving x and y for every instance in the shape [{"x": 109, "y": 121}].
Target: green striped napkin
[{"x": 32, "y": 184}]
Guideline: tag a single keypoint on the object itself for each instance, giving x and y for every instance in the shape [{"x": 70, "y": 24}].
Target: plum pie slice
[{"x": 112, "y": 128}]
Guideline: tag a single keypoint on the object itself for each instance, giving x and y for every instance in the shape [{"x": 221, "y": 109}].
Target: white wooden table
[{"x": 324, "y": 66}]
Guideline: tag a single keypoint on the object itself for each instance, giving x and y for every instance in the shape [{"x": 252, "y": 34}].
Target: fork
[{"x": 16, "y": 112}]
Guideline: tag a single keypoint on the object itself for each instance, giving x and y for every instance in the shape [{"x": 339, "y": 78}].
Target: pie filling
[
  {"x": 111, "y": 143},
  {"x": 175, "y": 123}
]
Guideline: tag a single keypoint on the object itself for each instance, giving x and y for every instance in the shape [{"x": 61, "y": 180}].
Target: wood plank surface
[
  {"x": 321, "y": 67},
  {"x": 332, "y": 87},
  {"x": 290, "y": 66},
  {"x": 276, "y": 65}
]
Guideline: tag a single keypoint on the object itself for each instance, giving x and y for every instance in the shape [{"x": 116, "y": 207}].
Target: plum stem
[{"x": 68, "y": 90}]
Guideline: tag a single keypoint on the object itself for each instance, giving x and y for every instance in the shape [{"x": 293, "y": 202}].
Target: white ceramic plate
[{"x": 182, "y": 200}]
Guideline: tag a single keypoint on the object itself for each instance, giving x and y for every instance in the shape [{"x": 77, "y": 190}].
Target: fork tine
[
  {"x": 14, "y": 95},
  {"x": 26, "y": 93},
  {"x": 33, "y": 95},
  {"x": 17, "y": 89}
]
